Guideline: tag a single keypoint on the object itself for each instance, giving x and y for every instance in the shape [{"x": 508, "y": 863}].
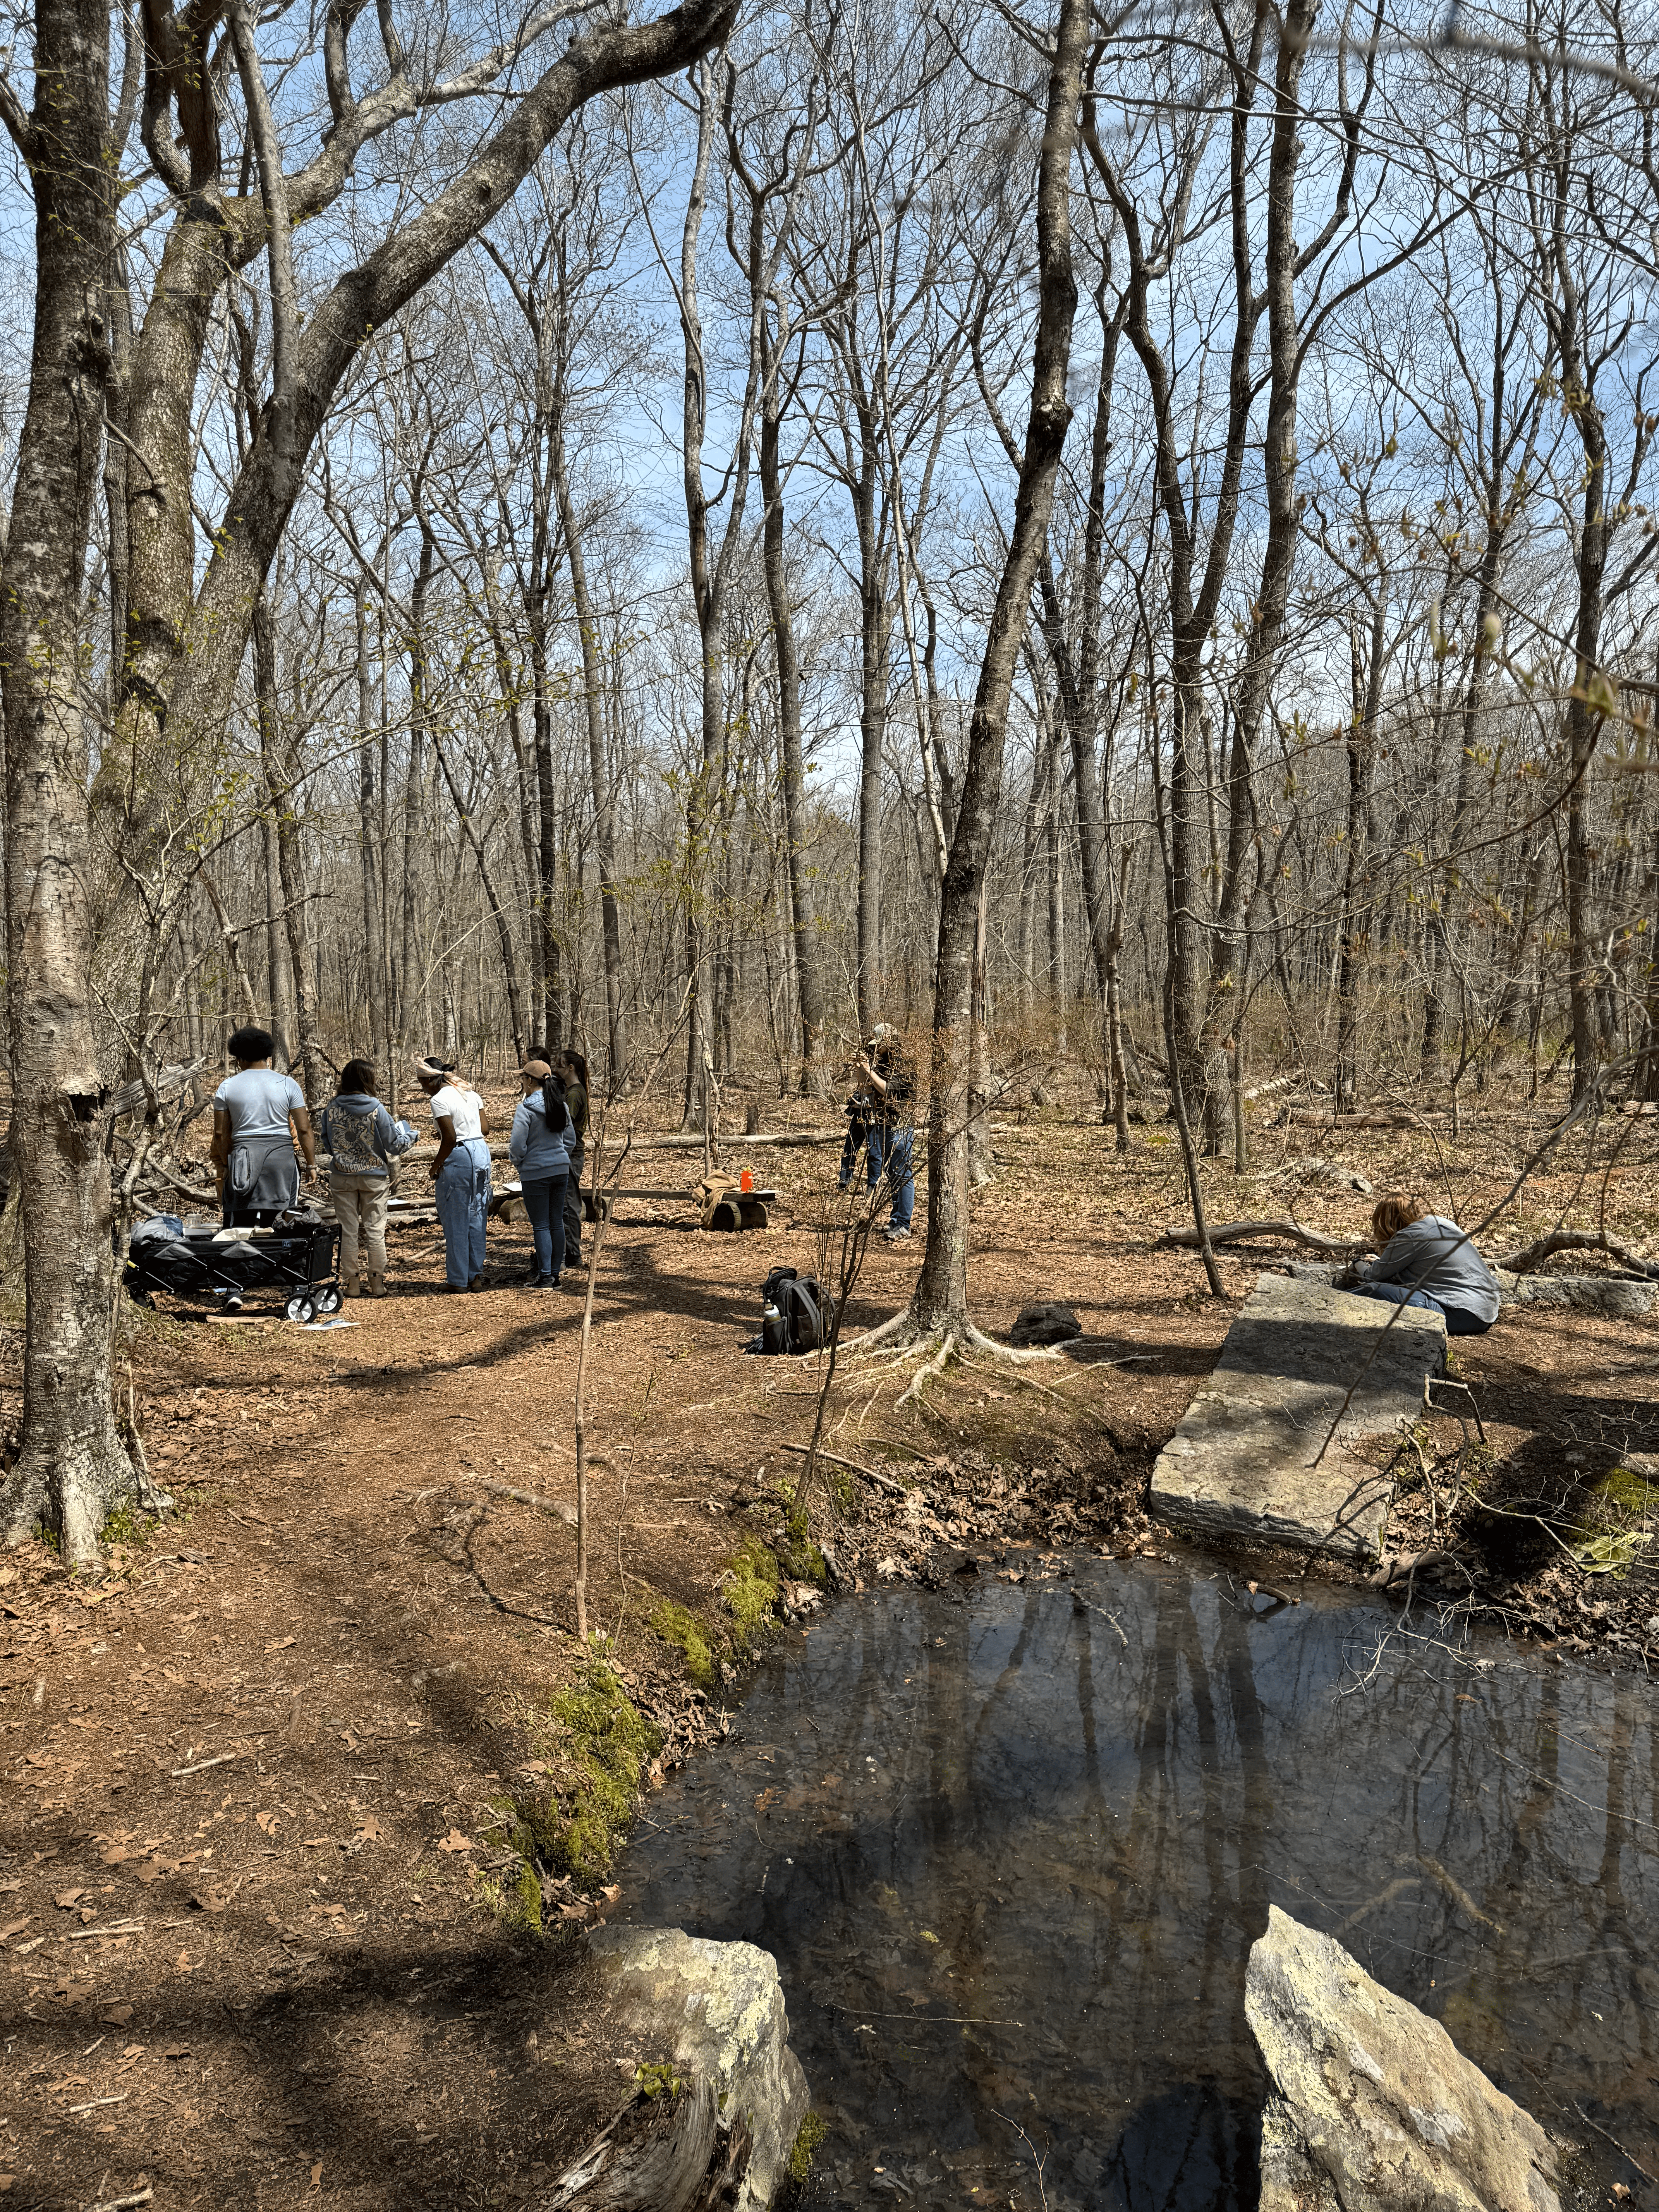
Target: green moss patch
[
  {"x": 751, "y": 1589},
  {"x": 675, "y": 1626},
  {"x": 1614, "y": 1522},
  {"x": 594, "y": 1741},
  {"x": 802, "y": 1562},
  {"x": 808, "y": 2137},
  {"x": 514, "y": 1899}
]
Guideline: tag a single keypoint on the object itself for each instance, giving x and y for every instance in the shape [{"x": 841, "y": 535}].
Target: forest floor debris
[{"x": 258, "y": 1875}]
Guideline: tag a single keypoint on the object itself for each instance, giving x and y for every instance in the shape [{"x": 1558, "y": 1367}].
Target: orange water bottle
[{"x": 746, "y": 1180}]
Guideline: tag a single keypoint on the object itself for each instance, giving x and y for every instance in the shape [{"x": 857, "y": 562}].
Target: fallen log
[
  {"x": 1237, "y": 1232},
  {"x": 1533, "y": 1256},
  {"x": 881, "y": 1481},
  {"x": 665, "y": 2152},
  {"x": 556, "y": 1506},
  {"x": 692, "y": 1140},
  {"x": 1314, "y": 1118}
]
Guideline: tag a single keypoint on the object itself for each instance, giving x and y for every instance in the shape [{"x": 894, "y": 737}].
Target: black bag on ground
[{"x": 798, "y": 1326}]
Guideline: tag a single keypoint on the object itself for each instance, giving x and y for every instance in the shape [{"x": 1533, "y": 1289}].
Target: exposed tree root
[
  {"x": 936, "y": 1365},
  {"x": 71, "y": 1493},
  {"x": 1017, "y": 1352},
  {"x": 901, "y": 1331}
]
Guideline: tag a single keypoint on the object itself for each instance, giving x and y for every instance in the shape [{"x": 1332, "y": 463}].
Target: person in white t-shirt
[{"x": 461, "y": 1172}]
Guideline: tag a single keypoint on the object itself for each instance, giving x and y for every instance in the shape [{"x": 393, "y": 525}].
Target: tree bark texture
[
  {"x": 940, "y": 1301},
  {"x": 71, "y": 1465}
]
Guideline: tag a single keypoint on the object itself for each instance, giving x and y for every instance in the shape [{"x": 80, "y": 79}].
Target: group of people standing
[{"x": 259, "y": 1117}]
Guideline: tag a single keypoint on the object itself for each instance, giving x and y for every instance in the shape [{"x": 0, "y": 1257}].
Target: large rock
[
  {"x": 1245, "y": 1461},
  {"x": 1623, "y": 1296},
  {"x": 1047, "y": 1323},
  {"x": 1373, "y": 2108},
  {"x": 716, "y": 2009}
]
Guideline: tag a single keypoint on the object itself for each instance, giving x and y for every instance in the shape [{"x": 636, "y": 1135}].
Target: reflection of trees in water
[{"x": 1093, "y": 1832}]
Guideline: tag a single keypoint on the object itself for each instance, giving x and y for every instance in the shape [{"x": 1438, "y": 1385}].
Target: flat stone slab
[
  {"x": 1625, "y": 1297},
  {"x": 1241, "y": 1464}
]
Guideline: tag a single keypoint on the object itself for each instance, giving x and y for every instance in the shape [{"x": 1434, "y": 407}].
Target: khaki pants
[{"x": 360, "y": 1203}]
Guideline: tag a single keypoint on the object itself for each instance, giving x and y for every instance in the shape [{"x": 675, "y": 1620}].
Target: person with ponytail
[
  {"x": 539, "y": 1146},
  {"x": 461, "y": 1172},
  {"x": 574, "y": 1068}
]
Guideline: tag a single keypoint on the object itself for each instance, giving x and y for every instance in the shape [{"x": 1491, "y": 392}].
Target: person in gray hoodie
[
  {"x": 1428, "y": 1260},
  {"x": 539, "y": 1148},
  {"x": 361, "y": 1141}
]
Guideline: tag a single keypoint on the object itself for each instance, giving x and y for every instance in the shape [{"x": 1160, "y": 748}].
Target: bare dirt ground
[{"x": 254, "y": 1772}]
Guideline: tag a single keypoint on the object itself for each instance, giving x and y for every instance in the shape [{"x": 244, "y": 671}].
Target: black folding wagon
[{"x": 299, "y": 1261}]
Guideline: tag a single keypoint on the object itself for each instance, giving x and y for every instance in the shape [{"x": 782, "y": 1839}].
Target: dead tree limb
[
  {"x": 1237, "y": 1232},
  {"x": 556, "y": 1506},
  {"x": 1532, "y": 1256}
]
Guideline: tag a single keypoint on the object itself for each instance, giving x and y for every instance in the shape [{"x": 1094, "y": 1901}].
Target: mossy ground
[
  {"x": 596, "y": 1741},
  {"x": 1615, "y": 1522},
  {"x": 675, "y": 1626}
]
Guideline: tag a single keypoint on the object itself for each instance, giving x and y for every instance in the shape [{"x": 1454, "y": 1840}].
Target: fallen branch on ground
[
  {"x": 1314, "y": 1118},
  {"x": 1401, "y": 1566},
  {"x": 882, "y": 1482},
  {"x": 556, "y": 1506},
  {"x": 1237, "y": 1232},
  {"x": 1532, "y": 1256}
]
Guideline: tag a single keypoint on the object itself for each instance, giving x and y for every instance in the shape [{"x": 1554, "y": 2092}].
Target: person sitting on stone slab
[{"x": 1427, "y": 1260}]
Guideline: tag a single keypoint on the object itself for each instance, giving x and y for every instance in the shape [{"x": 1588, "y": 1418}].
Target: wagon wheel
[{"x": 329, "y": 1301}]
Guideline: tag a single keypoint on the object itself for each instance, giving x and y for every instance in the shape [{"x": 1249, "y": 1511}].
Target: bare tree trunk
[
  {"x": 791, "y": 769},
  {"x": 278, "y": 991},
  {"x": 71, "y": 1466},
  {"x": 940, "y": 1300},
  {"x": 604, "y": 817},
  {"x": 281, "y": 769},
  {"x": 1367, "y": 693},
  {"x": 378, "y": 1028},
  {"x": 875, "y": 631}
]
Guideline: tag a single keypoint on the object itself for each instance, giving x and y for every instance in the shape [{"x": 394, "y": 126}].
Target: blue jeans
[
  {"x": 1458, "y": 1319},
  {"x": 544, "y": 1201},
  {"x": 463, "y": 1200},
  {"x": 891, "y": 1149}
]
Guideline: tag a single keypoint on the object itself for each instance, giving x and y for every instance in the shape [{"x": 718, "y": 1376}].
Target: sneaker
[
  {"x": 539, "y": 1282},
  {"x": 893, "y": 1234}
]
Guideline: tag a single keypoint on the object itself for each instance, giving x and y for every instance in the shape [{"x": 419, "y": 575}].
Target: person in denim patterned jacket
[{"x": 361, "y": 1141}]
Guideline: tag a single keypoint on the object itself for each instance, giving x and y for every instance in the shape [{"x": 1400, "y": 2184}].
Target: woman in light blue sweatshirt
[{"x": 538, "y": 1147}]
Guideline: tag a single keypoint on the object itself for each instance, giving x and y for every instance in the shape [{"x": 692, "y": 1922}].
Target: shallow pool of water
[{"x": 1011, "y": 1843}]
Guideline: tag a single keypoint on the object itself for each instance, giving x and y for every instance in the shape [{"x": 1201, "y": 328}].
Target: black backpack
[{"x": 799, "y": 1324}]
